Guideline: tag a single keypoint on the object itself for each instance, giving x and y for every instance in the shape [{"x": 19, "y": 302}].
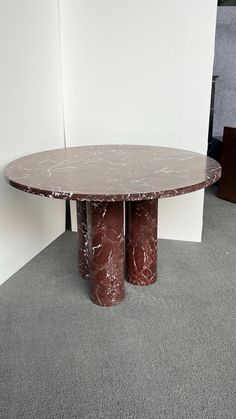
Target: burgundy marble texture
[
  {"x": 113, "y": 173},
  {"x": 107, "y": 253},
  {"x": 82, "y": 233},
  {"x": 141, "y": 242},
  {"x": 101, "y": 178}
]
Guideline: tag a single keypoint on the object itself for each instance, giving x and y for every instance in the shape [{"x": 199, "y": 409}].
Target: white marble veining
[{"x": 112, "y": 173}]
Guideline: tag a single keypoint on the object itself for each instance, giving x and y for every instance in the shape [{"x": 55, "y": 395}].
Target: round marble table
[{"x": 111, "y": 183}]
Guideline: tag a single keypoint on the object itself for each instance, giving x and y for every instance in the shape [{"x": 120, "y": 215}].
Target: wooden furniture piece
[
  {"x": 104, "y": 180},
  {"x": 227, "y": 188}
]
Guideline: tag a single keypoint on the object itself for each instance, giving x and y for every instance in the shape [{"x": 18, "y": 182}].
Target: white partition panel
[
  {"x": 139, "y": 72},
  {"x": 31, "y": 121}
]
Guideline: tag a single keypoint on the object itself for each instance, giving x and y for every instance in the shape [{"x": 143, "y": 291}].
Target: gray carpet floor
[{"x": 167, "y": 352}]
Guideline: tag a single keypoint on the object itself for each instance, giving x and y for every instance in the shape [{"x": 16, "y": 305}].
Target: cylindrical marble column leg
[
  {"x": 82, "y": 229},
  {"x": 106, "y": 258},
  {"x": 141, "y": 242}
]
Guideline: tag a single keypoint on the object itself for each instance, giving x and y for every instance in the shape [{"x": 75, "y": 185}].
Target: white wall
[
  {"x": 139, "y": 72},
  {"x": 31, "y": 121},
  {"x": 133, "y": 72}
]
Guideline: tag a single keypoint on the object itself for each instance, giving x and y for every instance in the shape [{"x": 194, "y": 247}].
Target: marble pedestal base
[
  {"x": 106, "y": 252},
  {"x": 102, "y": 246},
  {"x": 82, "y": 233},
  {"x": 141, "y": 242}
]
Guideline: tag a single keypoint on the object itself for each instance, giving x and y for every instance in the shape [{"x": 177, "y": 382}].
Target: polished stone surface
[
  {"x": 113, "y": 172},
  {"x": 106, "y": 176},
  {"x": 141, "y": 242},
  {"x": 82, "y": 232},
  {"x": 106, "y": 252}
]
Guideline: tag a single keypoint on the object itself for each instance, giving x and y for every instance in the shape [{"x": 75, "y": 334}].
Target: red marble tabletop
[{"x": 112, "y": 172}]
